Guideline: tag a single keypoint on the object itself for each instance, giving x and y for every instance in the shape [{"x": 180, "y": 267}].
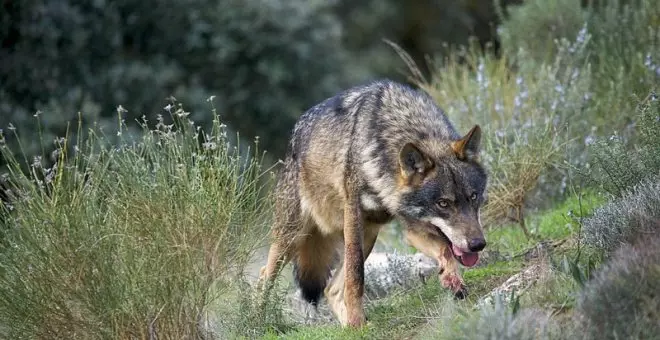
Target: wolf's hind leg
[{"x": 278, "y": 257}]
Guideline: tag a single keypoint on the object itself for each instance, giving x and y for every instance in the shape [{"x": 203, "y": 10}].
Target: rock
[
  {"x": 385, "y": 272},
  {"x": 520, "y": 282}
]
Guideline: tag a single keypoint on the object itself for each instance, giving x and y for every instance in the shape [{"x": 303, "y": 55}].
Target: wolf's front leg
[
  {"x": 436, "y": 247},
  {"x": 353, "y": 263},
  {"x": 334, "y": 292}
]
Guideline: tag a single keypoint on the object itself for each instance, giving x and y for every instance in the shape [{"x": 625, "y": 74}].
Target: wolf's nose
[{"x": 477, "y": 244}]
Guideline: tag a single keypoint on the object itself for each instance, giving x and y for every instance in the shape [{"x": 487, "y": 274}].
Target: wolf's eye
[
  {"x": 473, "y": 197},
  {"x": 443, "y": 203}
]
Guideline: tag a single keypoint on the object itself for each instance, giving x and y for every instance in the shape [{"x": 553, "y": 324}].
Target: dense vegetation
[{"x": 118, "y": 226}]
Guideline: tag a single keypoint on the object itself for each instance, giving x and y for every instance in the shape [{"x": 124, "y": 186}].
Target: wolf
[{"x": 354, "y": 163}]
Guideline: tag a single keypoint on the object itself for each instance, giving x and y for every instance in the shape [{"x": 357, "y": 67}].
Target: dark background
[{"x": 264, "y": 61}]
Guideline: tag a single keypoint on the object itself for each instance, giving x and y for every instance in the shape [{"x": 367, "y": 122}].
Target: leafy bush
[
  {"x": 534, "y": 27},
  {"x": 623, "y": 42},
  {"x": 622, "y": 301},
  {"x": 625, "y": 46},
  {"x": 624, "y": 220},
  {"x": 421, "y": 27},
  {"x": 619, "y": 162},
  {"x": 133, "y": 240}
]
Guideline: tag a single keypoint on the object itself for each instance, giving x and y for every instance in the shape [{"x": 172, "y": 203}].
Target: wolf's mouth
[{"x": 466, "y": 258}]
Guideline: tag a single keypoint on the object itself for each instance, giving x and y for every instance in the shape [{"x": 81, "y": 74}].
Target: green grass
[
  {"x": 482, "y": 280},
  {"x": 392, "y": 317},
  {"x": 404, "y": 313},
  {"x": 558, "y": 223}
]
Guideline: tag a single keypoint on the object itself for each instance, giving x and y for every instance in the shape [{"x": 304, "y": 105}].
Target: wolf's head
[{"x": 443, "y": 189}]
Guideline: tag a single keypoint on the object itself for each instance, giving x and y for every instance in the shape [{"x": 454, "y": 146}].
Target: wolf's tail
[{"x": 312, "y": 265}]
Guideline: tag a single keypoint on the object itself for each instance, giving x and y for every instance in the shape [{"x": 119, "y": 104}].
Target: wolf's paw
[
  {"x": 357, "y": 321},
  {"x": 454, "y": 283},
  {"x": 461, "y": 293}
]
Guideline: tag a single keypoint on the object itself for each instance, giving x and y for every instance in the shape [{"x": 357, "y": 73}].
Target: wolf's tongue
[
  {"x": 469, "y": 259},
  {"x": 465, "y": 258}
]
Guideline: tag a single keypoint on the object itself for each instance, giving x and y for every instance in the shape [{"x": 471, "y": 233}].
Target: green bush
[
  {"x": 623, "y": 45},
  {"x": 621, "y": 161},
  {"x": 132, "y": 240},
  {"x": 422, "y": 27},
  {"x": 535, "y": 27},
  {"x": 501, "y": 321},
  {"x": 622, "y": 301},
  {"x": 632, "y": 216},
  {"x": 626, "y": 48}
]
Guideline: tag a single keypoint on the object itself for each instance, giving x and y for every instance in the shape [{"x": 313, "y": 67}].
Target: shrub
[
  {"x": 622, "y": 301},
  {"x": 625, "y": 46},
  {"x": 133, "y": 240},
  {"x": 534, "y": 27},
  {"x": 620, "y": 162},
  {"x": 624, "y": 40},
  {"x": 624, "y": 220},
  {"x": 501, "y": 321}
]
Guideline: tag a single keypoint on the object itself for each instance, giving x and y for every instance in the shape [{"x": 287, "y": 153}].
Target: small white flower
[
  {"x": 582, "y": 35},
  {"x": 209, "y": 145}
]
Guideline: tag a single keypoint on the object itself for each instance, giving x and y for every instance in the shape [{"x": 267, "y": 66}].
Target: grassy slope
[{"x": 415, "y": 313}]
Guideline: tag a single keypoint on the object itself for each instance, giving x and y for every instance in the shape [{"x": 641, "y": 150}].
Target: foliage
[
  {"x": 619, "y": 163},
  {"x": 261, "y": 59},
  {"x": 422, "y": 28},
  {"x": 534, "y": 27},
  {"x": 633, "y": 216},
  {"x": 501, "y": 321},
  {"x": 133, "y": 240},
  {"x": 559, "y": 223},
  {"x": 626, "y": 47},
  {"x": 623, "y": 42},
  {"x": 622, "y": 301}
]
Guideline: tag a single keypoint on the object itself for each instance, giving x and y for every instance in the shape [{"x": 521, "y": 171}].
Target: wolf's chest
[{"x": 373, "y": 209}]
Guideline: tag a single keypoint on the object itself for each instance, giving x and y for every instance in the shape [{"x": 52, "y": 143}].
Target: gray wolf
[{"x": 355, "y": 162}]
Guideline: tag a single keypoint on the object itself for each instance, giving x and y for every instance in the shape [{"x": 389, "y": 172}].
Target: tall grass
[{"x": 131, "y": 240}]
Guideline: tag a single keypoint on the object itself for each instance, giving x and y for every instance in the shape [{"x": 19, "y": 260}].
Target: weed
[{"x": 133, "y": 240}]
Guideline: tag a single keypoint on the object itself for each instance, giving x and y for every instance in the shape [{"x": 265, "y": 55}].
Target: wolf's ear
[
  {"x": 413, "y": 162},
  {"x": 467, "y": 148}
]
